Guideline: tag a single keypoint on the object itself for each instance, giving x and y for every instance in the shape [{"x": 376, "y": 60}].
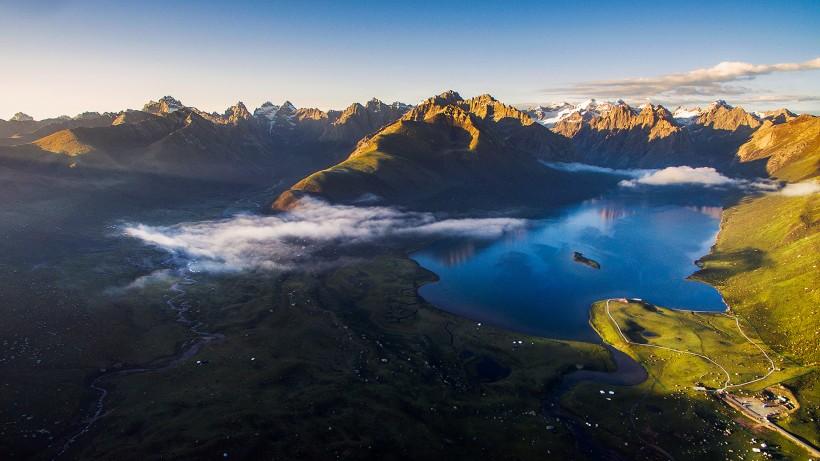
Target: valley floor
[{"x": 351, "y": 363}]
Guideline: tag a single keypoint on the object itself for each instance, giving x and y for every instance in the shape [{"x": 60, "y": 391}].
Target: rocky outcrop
[
  {"x": 21, "y": 117},
  {"x": 165, "y": 105},
  {"x": 622, "y": 136},
  {"x": 777, "y": 116},
  {"x": 237, "y": 113},
  {"x": 721, "y": 116}
]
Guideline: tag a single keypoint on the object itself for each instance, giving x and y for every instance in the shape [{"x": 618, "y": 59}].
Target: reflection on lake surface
[{"x": 527, "y": 281}]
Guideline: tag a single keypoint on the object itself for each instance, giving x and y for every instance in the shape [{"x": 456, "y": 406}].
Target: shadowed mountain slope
[
  {"x": 449, "y": 152},
  {"x": 167, "y": 137}
]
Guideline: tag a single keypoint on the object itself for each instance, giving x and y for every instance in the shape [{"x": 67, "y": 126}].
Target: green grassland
[
  {"x": 713, "y": 335},
  {"x": 765, "y": 263},
  {"x": 347, "y": 364},
  {"x": 665, "y": 414},
  {"x": 806, "y": 421}
]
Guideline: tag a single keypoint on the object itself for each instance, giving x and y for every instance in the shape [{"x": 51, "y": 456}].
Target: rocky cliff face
[
  {"x": 622, "y": 136},
  {"x": 165, "y": 105},
  {"x": 777, "y": 116},
  {"x": 618, "y": 135},
  {"x": 722, "y": 116},
  {"x": 494, "y": 123},
  {"x": 357, "y": 120}
]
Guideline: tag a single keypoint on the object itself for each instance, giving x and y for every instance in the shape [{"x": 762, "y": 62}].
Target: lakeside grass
[
  {"x": 766, "y": 265},
  {"x": 665, "y": 411}
]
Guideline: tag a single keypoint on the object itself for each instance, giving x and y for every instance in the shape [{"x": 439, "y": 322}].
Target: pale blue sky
[{"x": 63, "y": 56}]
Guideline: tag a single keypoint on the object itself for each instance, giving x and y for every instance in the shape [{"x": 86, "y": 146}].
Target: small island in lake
[{"x": 579, "y": 257}]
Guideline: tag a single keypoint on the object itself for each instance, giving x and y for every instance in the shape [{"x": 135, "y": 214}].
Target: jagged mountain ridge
[
  {"x": 170, "y": 137},
  {"x": 611, "y": 134},
  {"x": 448, "y": 152},
  {"x": 619, "y": 135},
  {"x": 345, "y": 126},
  {"x": 21, "y": 128}
]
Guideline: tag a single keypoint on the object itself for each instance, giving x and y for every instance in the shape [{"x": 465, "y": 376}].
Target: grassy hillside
[
  {"x": 63, "y": 142},
  {"x": 765, "y": 263},
  {"x": 792, "y": 148}
]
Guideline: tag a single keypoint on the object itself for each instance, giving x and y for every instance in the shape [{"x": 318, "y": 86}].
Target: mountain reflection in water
[{"x": 529, "y": 281}]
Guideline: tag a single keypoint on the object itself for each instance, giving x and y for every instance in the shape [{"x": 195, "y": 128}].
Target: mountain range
[
  {"x": 481, "y": 150},
  {"x": 449, "y": 151},
  {"x": 170, "y": 138},
  {"x": 446, "y": 148},
  {"x": 616, "y": 134}
]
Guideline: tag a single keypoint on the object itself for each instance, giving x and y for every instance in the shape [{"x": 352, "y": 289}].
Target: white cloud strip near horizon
[
  {"x": 800, "y": 189},
  {"x": 669, "y": 176},
  {"x": 294, "y": 240},
  {"x": 718, "y": 80},
  {"x": 681, "y": 175}
]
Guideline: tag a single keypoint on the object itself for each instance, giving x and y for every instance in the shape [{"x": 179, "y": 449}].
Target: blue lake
[{"x": 528, "y": 281}]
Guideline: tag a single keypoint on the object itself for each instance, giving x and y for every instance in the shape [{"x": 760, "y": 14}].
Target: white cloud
[
  {"x": 702, "y": 176},
  {"x": 716, "y": 81},
  {"x": 801, "y": 188},
  {"x": 675, "y": 175},
  {"x": 295, "y": 239}
]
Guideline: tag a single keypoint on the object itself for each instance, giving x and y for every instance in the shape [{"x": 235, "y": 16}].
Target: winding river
[{"x": 176, "y": 302}]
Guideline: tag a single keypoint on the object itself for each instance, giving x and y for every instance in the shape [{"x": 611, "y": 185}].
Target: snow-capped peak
[
  {"x": 267, "y": 111},
  {"x": 550, "y": 114},
  {"x": 288, "y": 107},
  {"x": 165, "y": 105},
  {"x": 587, "y": 105},
  {"x": 276, "y": 114},
  {"x": 719, "y": 103},
  {"x": 171, "y": 104},
  {"x": 686, "y": 115}
]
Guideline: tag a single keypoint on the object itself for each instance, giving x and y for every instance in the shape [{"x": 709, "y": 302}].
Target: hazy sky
[{"x": 69, "y": 56}]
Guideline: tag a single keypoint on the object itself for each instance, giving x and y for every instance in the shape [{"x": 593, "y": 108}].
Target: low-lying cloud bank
[
  {"x": 295, "y": 239},
  {"x": 669, "y": 176},
  {"x": 682, "y": 175},
  {"x": 702, "y": 176},
  {"x": 799, "y": 189}
]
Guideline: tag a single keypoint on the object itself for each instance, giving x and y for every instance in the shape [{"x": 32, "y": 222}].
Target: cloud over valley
[{"x": 297, "y": 239}]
